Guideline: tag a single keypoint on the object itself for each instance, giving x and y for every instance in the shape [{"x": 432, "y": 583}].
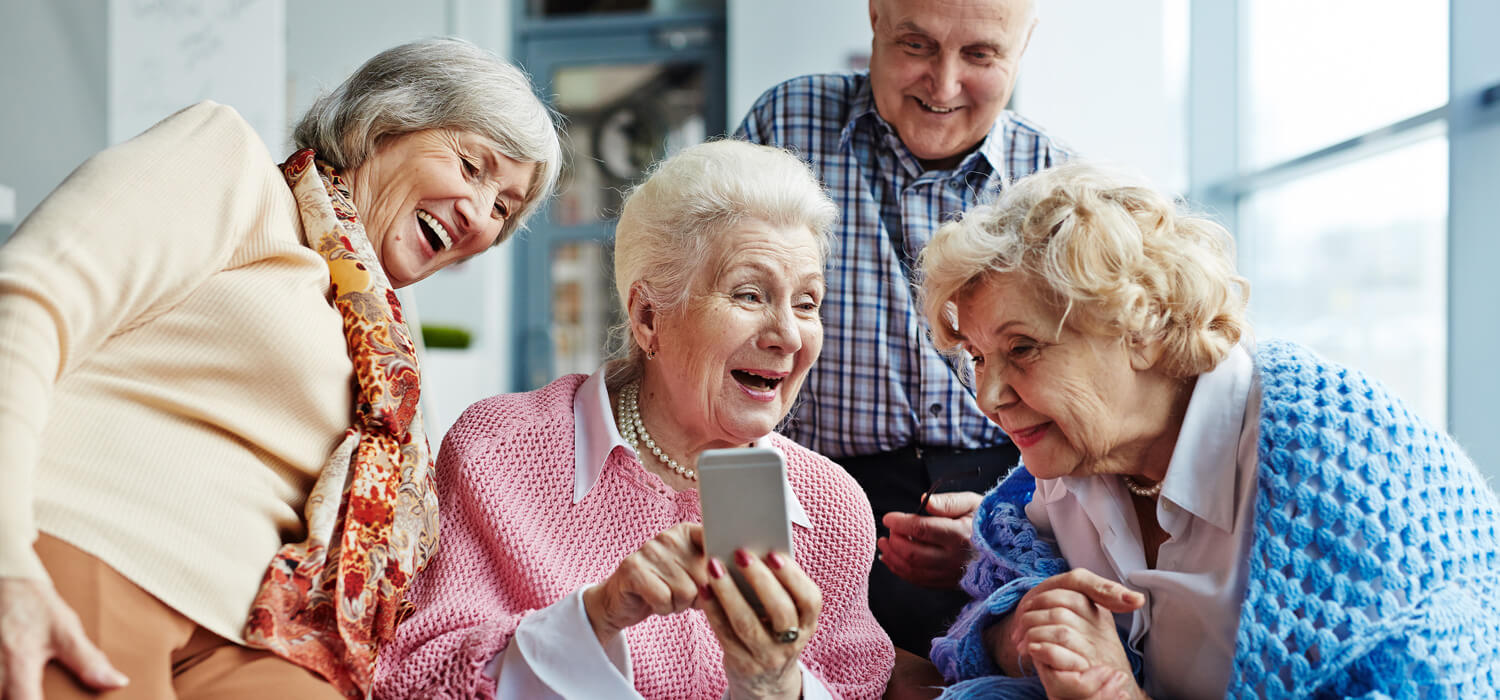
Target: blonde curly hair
[{"x": 1119, "y": 258}]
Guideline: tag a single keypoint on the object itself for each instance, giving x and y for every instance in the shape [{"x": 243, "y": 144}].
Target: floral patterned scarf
[{"x": 329, "y": 602}]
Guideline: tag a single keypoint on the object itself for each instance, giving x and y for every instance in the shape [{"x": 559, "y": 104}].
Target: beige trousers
[{"x": 165, "y": 654}]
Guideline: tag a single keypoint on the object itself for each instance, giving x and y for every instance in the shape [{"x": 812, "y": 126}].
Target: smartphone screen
[{"x": 743, "y": 495}]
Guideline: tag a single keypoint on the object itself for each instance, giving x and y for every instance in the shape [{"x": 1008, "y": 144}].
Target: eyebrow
[
  {"x": 758, "y": 266},
  {"x": 1013, "y": 322},
  {"x": 999, "y": 331},
  {"x": 516, "y": 195},
  {"x": 514, "y": 198},
  {"x": 910, "y": 26}
]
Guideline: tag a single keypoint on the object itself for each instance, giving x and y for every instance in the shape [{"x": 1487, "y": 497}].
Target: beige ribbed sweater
[{"x": 172, "y": 376}]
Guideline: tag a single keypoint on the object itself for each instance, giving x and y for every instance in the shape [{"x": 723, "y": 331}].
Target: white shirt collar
[
  {"x": 1204, "y": 470},
  {"x": 595, "y": 436}
]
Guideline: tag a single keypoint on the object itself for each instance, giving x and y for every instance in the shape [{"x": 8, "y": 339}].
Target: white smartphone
[{"x": 743, "y": 495}]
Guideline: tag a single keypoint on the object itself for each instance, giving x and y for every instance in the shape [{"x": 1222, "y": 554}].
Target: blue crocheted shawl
[{"x": 1373, "y": 567}]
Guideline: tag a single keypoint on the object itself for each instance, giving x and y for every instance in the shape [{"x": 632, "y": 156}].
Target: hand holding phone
[
  {"x": 743, "y": 494},
  {"x": 745, "y": 523}
]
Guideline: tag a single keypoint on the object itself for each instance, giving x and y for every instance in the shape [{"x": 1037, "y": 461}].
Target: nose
[
  {"x": 992, "y": 391},
  {"x": 945, "y": 78},
  {"x": 781, "y": 332},
  {"x": 476, "y": 217}
]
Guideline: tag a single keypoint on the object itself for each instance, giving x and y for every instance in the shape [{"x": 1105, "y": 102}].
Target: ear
[
  {"x": 642, "y": 316},
  {"x": 1031, "y": 29},
  {"x": 1144, "y": 353}
]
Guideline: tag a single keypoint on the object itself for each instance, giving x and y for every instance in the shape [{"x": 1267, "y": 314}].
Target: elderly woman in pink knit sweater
[{"x": 572, "y": 561}]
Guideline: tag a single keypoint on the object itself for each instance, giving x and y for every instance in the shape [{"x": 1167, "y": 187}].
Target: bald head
[{"x": 1025, "y": 10}]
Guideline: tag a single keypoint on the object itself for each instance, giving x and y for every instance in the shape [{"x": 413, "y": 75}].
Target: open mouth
[
  {"x": 935, "y": 109},
  {"x": 437, "y": 235},
  {"x": 755, "y": 381}
]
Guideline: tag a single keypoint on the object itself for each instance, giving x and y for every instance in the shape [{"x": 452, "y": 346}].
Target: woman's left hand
[{"x": 760, "y": 656}]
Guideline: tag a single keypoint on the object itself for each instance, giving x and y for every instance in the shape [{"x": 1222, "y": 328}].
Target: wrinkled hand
[
  {"x": 757, "y": 664},
  {"x": 931, "y": 550},
  {"x": 660, "y": 578},
  {"x": 1065, "y": 628},
  {"x": 1080, "y": 591},
  {"x": 36, "y": 626},
  {"x": 1097, "y": 683}
]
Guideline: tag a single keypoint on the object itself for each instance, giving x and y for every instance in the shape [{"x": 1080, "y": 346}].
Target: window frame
[{"x": 1471, "y": 119}]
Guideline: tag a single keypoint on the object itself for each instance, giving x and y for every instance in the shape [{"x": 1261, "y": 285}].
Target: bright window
[
  {"x": 1338, "y": 190},
  {"x": 1352, "y": 261},
  {"x": 1321, "y": 71}
]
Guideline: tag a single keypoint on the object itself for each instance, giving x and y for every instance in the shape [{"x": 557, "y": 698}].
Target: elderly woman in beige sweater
[{"x": 216, "y": 483}]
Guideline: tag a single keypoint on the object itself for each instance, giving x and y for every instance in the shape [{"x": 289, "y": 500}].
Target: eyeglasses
[{"x": 942, "y": 481}]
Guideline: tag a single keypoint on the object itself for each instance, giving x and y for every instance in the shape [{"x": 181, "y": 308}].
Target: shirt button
[{"x": 935, "y": 409}]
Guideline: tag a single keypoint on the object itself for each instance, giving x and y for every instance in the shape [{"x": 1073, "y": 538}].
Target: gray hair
[
  {"x": 1118, "y": 258},
  {"x": 671, "y": 223},
  {"x": 437, "y": 84}
]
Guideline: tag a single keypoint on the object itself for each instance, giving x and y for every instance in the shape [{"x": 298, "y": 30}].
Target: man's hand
[{"x": 931, "y": 550}]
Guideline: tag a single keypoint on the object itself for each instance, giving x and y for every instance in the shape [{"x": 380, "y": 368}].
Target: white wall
[
  {"x": 769, "y": 41},
  {"x": 81, "y": 75},
  {"x": 52, "y": 92},
  {"x": 165, "y": 55},
  {"x": 1108, "y": 78}
]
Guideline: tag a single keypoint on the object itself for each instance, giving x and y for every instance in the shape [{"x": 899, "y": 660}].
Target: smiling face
[
  {"x": 730, "y": 362},
  {"x": 943, "y": 70},
  {"x": 431, "y": 198},
  {"x": 1075, "y": 403}
]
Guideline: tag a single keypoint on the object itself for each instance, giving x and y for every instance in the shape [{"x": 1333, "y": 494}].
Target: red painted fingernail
[
  {"x": 742, "y": 558},
  {"x": 715, "y": 569},
  {"x": 706, "y": 592},
  {"x": 775, "y": 561}
]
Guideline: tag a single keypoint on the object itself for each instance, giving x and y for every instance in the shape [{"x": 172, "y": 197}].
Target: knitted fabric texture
[
  {"x": 1373, "y": 570},
  {"x": 514, "y": 542}
]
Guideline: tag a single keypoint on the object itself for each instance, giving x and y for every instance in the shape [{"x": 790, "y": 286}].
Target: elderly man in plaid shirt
[{"x": 920, "y": 138}]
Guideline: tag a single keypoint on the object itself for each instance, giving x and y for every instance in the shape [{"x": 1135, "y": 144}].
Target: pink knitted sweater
[{"x": 514, "y": 542}]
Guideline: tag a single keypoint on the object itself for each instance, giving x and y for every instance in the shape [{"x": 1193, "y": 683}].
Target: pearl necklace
[
  {"x": 1142, "y": 491},
  {"x": 634, "y": 431}
]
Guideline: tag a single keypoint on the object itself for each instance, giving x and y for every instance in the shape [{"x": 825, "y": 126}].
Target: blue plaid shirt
[{"x": 880, "y": 383}]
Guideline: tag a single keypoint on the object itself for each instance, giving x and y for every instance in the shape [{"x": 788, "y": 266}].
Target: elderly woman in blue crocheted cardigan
[{"x": 1198, "y": 514}]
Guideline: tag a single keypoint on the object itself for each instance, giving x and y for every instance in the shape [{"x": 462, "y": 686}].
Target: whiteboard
[{"x": 167, "y": 54}]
